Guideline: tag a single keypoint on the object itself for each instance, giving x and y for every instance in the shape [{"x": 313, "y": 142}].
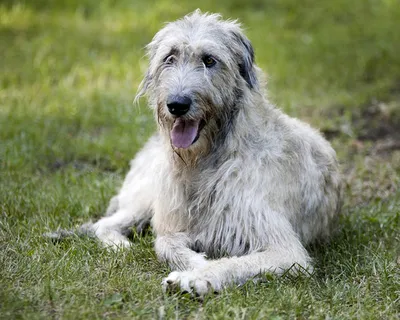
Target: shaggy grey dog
[{"x": 231, "y": 185}]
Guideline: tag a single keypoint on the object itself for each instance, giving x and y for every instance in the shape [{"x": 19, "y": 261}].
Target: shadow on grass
[{"x": 362, "y": 240}]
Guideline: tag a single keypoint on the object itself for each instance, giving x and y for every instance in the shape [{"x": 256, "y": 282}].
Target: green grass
[{"x": 68, "y": 74}]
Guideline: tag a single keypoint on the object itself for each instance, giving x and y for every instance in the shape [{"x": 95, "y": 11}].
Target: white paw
[
  {"x": 116, "y": 244},
  {"x": 190, "y": 281},
  {"x": 113, "y": 240}
]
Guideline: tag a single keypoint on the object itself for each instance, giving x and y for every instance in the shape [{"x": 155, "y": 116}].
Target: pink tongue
[{"x": 184, "y": 132}]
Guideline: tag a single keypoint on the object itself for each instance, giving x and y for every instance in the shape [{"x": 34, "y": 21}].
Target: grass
[{"x": 68, "y": 74}]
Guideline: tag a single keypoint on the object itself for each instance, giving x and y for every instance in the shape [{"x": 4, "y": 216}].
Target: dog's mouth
[{"x": 184, "y": 133}]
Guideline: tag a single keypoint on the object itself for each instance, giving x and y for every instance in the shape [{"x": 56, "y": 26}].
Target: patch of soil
[
  {"x": 372, "y": 165},
  {"x": 377, "y": 122}
]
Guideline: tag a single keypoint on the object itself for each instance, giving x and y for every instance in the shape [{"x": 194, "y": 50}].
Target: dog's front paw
[{"x": 192, "y": 282}]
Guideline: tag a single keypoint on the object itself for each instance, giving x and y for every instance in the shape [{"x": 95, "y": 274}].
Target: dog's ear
[
  {"x": 146, "y": 83},
  {"x": 144, "y": 86},
  {"x": 246, "y": 64}
]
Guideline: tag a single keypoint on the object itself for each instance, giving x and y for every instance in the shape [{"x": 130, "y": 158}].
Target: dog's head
[{"x": 200, "y": 69}]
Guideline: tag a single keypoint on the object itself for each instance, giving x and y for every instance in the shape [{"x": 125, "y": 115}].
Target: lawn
[{"x": 69, "y": 71}]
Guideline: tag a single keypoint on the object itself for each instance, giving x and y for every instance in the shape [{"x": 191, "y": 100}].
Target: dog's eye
[
  {"x": 170, "y": 59},
  {"x": 209, "y": 61}
]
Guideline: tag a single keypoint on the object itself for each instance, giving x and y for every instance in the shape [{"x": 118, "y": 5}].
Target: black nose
[{"x": 179, "y": 105}]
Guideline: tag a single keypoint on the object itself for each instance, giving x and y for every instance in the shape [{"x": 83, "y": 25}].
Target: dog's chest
[
  {"x": 217, "y": 227},
  {"x": 212, "y": 208},
  {"x": 220, "y": 236}
]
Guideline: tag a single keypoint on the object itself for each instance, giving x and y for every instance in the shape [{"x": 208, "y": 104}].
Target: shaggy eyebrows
[
  {"x": 173, "y": 51},
  {"x": 198, "y": 49},
  {"x": 207, "y": 48}
]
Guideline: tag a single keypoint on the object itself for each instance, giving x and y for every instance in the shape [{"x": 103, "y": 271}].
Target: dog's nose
[{"x": 179, "y": 105}]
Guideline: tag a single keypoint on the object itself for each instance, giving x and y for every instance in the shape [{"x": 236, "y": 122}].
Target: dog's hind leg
[{"x": 131, "y": 207}]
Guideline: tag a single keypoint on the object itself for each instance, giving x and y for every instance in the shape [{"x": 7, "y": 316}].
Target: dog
[{"x": 231, "y": 185}]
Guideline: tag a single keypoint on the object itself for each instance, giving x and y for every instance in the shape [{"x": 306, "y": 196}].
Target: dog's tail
[{"x": 85, "y": 230}]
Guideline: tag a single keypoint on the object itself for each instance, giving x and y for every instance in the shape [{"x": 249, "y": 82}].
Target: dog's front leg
[
  {"x": 175, "y": 250},
  {"x": 221, "y": 273}
]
